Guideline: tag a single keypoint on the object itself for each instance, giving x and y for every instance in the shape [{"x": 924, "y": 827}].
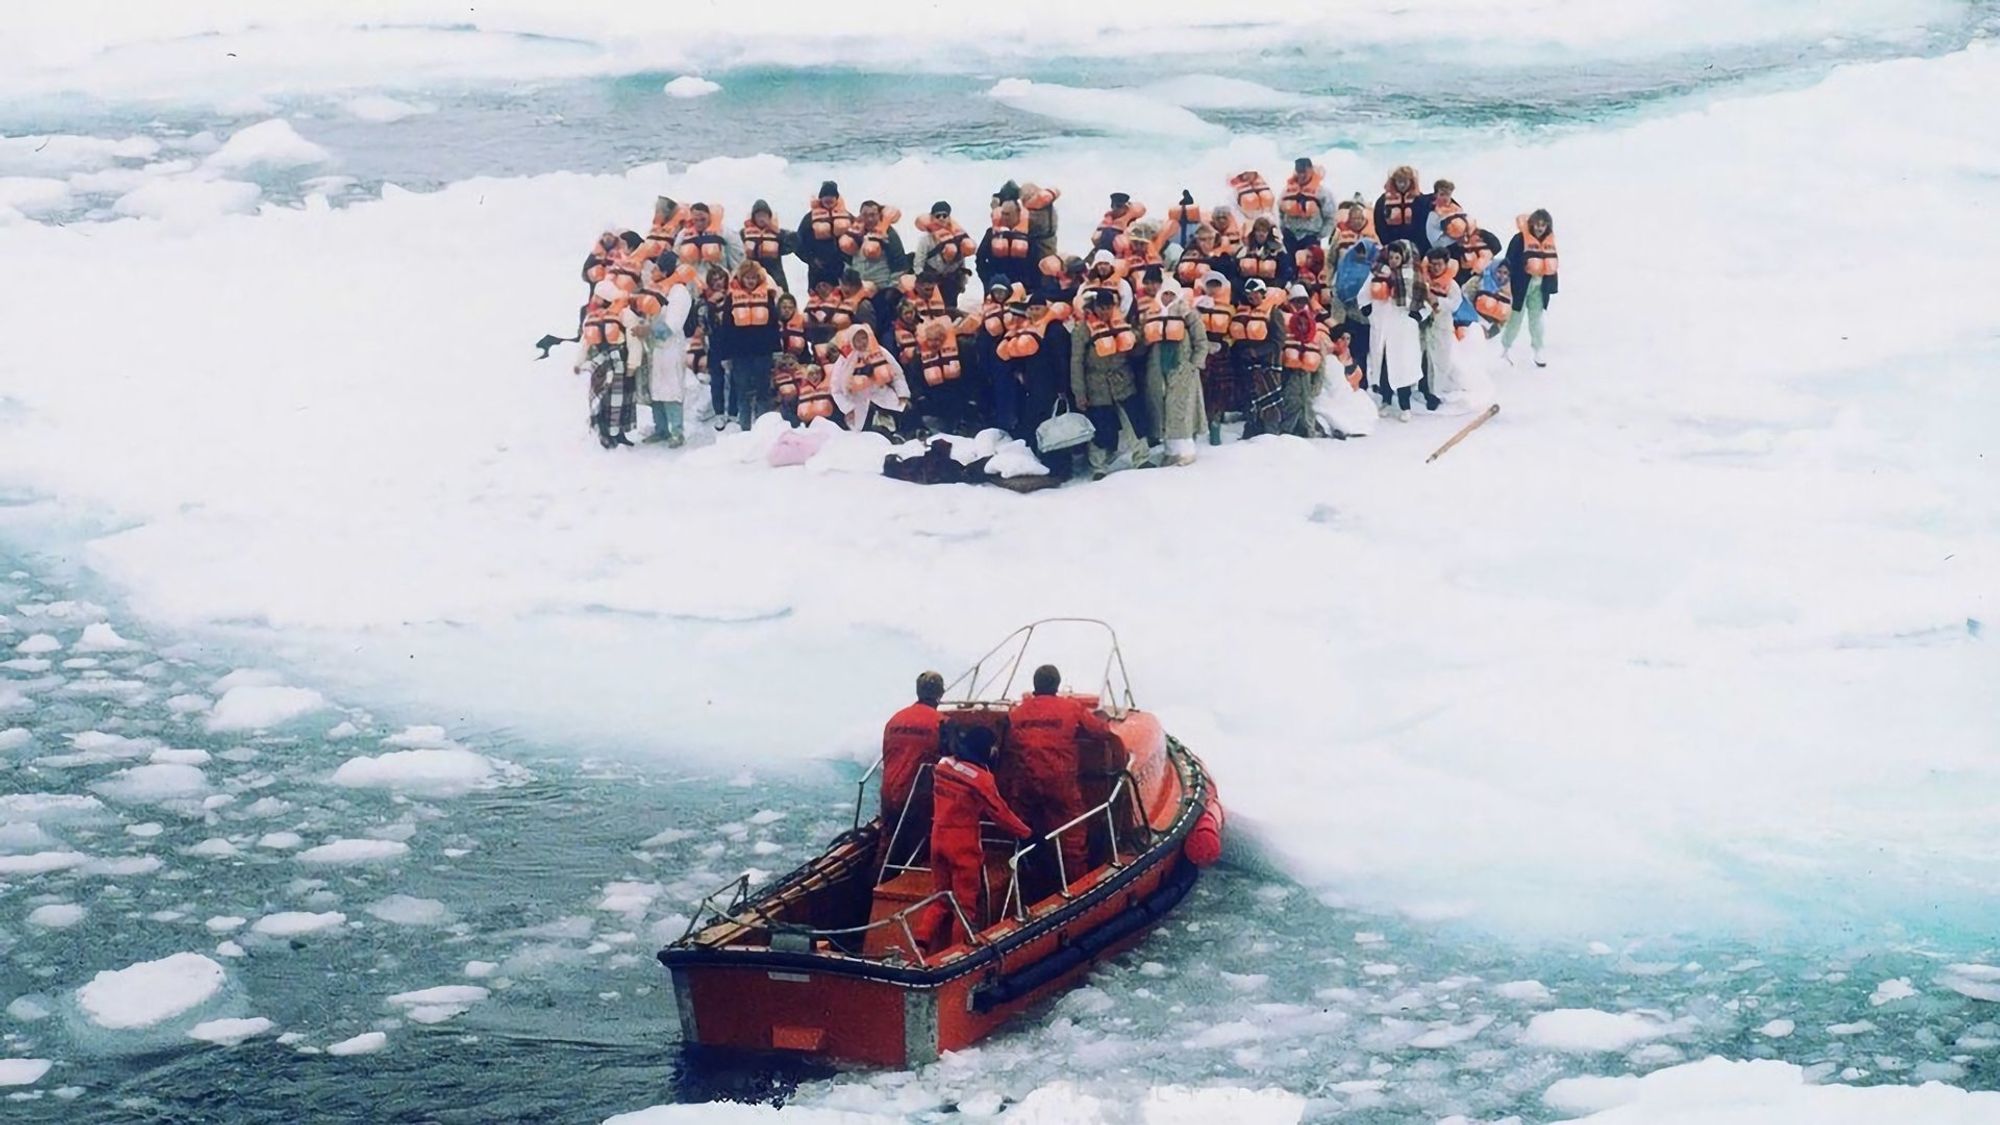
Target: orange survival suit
[
  {"x": 1043, "y": 729},
  {"x": 909, "y": 743},
  {"x": 965, "y": 795}
]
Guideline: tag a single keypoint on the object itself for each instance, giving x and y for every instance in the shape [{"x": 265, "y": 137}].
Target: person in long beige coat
[{"x": 1173, "y": 375}]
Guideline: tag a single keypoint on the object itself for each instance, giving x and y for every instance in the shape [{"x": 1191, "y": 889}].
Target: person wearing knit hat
[
  {"x": 766, "y": 244},
  {"x": 817, "y": 242}
]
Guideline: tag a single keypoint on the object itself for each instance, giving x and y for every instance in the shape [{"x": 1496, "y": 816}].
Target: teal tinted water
[{"x": 1253, "y": 982}]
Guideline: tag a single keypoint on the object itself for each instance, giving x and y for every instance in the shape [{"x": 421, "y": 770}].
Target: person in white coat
[
  {"x": 1343, "y": 408},
  {"x": 1395, "y": 296},
  {"x": 869, "y": 387},
  {"x": 667, "y": 373}
]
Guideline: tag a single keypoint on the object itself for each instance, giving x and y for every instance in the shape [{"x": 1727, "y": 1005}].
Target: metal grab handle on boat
[
  {"x": 1014, "y": 863},
  {"x": 740, "y": 885},
  {"x": 902, "y": 818},
  {"x": 1116, "y": 701},
  {"x": 861, "y": 790},
  {"x": 902, "y": 918}
]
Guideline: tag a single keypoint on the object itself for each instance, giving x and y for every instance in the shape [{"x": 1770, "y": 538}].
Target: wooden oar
[{"x": 1460, "y": 435}]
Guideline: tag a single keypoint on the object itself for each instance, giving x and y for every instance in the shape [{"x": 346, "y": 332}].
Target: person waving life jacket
[{"x": 1253, "y": 195}]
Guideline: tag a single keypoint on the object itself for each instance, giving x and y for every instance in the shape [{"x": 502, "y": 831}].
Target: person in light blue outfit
[{"x": 1351, "y": 272}]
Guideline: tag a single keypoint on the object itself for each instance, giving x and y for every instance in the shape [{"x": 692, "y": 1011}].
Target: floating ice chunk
[
  {"x": 480, "y": 970},
  {"x": 293, "y": 923},
  {"x": 1381, "y": 969},
  {"x": 34, "y": 195},
  {"x": 406, "y": 910},
  {"x": 1526, "y": 991},
  {"x": 40, "y": 863},
  {"x": 690, "y": 86},
  {"x": 422, "y": 736},
  {"x": 223, "y": 923},
  {"x": 1033, "y": 1111},
  {"x": 229, "y": 949},
  {"x": 230, "y": 1032},
  {"x": 23, "y": 1072},
  {"x": 1224, "y": 1035},
  {"x": 57, "y": 153},
  {"x": 188, "y": 704},
  {"x": 150, "y": 992},
  {"x": 1213, "y": 91},
  {"x": 1890, "y": 991},
  {"x": 280, "y": 841},
  {"x": 14, "y": 738},
  {"x": 154, "y": 783},
  {"x": 1450, "y": 1034},
  {"x": 339, "y": 731},
  {"x": 430, "y": 773},
  {"x": 99, "y": 636},
  {"x": 355, "y": 851},
  {"x": 259, "y": 706},
  {"x": 187, "y": 200},
  {"x": 1245, "y": 982},
  {"x": 1718, "y": 1090},
  {"x": 366, "y": 1043},
  {"x": 665, "y": 838},
  {"x": 28, "y": 1009},
  {"x": 180, "y": 757},
  {"x": 56, "y": 916},
  {"x": 50, "y": 808},
  {"x": 766, "y": 847},
  {"x": 436, "y": 1005},
  {"x": 766, "y": 816},
  {"x": 1587, "y": 1029},
  {"x": 1187, "y": 1105},
  {"x": 629, "y": 899},
  {"x": 1119, "y": 111},
  {"x": 118, "y": 867},
  {"x": 1858, "y": 1027},
  {"x": 1974, "y": 982},
  {"x": 38, "y": 643},
  {"x": 26, "y": 836},
  {"x": 380, "y": 109},
  {"x": 267, "y": 144},
  {"x": 1777, "y": 1029}
]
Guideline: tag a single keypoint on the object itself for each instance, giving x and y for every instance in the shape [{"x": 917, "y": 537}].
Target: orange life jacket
[
  {"x": 1252, "y": 193},
  {"x": 1025, "y": 341},
  {"x": 871, "y": 370},
  {"x": 1215, "y": 320},
  {"x": 1193, "y": 263},
  {"x": 648, "y": 302},
  {"x": 952, "y": 243},
  {"x": 1399, "y": 208},
  {"x": 761, "y": 244},
  {"x": 1250, "y": 323},
  {"x": 926, "y": 306},
  {"x": 1440, "y": 283},
  {"x": 1156, "y": 324},
  {"x": 792, "y": 336},
  {"x": 1301, "y": 355},
  {"x": 784, "y": 380},
  {"x": 1110, "y": 337},
  {"x": 698, "y": 351},
  {"x": 815, "y": 398},
  {"x": 1495, "y": 307},
  {"x": 847, "y": 306},
  {"x": 1010, "y": 242},
  {"x": 752, "y": 308},
  {"x": 872, "y": 242},
  {"x": 993, "y": 319},
  {"x": 940, "y": 366},
  {"x": 1309, "y": 261},
  {"x": 1540, "y": 252},
  {"x": 828, "y": 224},
  {"x": 1260, "y": 261},
  {"x": 1301, "y": 199},
  {"x": 601, "y": 326}
]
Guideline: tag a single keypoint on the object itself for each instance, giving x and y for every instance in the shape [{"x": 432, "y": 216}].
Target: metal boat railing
[
  {"x": 901, "y": 918},
  {"x": 902, "y": 818},
  {"x": 1115, "y": 696},
  {"x": 1049, "y": 838}
]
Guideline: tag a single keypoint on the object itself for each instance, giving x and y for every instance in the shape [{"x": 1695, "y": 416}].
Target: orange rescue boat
[{"x": 826, "y": 961}]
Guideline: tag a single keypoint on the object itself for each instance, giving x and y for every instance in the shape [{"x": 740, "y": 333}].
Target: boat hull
[{"x": 826, "y": 1003}]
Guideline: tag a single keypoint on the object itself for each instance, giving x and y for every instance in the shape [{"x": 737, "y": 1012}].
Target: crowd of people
[{"x": 1287, "y": 307}]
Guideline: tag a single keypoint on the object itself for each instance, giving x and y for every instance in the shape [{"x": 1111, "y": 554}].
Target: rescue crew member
[
  {"x": 964, "y": 795},
  {"x": 909, "y": 743},
  {"x": 1044, "y": 729}
]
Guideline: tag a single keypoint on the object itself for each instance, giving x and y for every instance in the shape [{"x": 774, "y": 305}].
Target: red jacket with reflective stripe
[
  {"x": 908, "y": 743},
  {"x": 965, "y": 794},
  {"x": 1044, "y": 728}
]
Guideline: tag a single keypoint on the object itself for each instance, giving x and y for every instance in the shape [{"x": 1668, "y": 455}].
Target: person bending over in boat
[
  {"x": 1044, "y": 727},
  {"x": 964, "y": 796},
  {"x": 909, "y": 743}
]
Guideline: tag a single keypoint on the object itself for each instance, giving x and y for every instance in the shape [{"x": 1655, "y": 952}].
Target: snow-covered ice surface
[{"x": 1651, "y": 724}]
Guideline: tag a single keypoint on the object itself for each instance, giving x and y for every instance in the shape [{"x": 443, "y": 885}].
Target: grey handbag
[{"x": 1064, "y": 429}]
